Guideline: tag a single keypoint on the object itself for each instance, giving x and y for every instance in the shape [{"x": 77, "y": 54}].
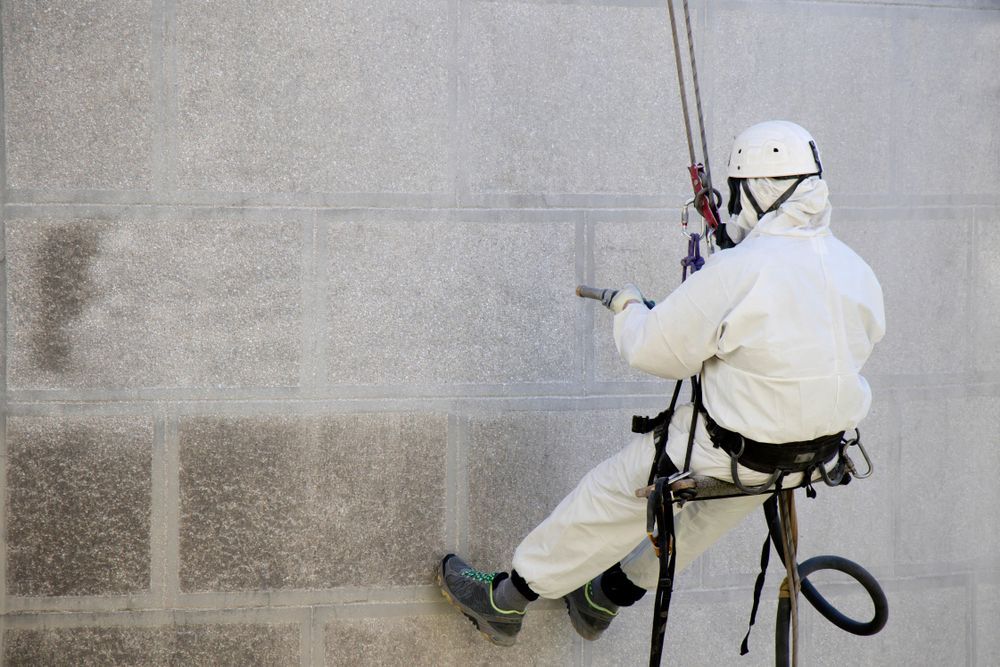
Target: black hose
[
  {"x": 831, "y": 613},
  {"x": 781, "y": 648},
  {"x": 809, "y": 592}
]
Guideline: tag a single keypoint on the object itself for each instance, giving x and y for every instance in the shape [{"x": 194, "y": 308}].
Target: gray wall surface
[{"x": 289, "y": 314}]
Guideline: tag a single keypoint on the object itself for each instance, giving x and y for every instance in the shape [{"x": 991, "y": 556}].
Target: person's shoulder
[
  {"x": 849, "y": 257},
  {"x": 750, "y": 252}
]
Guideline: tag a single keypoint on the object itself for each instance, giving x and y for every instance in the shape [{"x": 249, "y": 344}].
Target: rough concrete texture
[
  {"x": 513, "y": 480},
  {"x": 985, "y": 306},
  {"x": 819, "y": 76},
  {"x": 451, "y": 303},
  {"x": 78, "y": 106},
  {"x": 927, "y": 626},
  {"x": 925, "y": 291},
  {"x": 961, "y": 433},
  {"x": 987, "y": 610},
  {"x": 287, "y": 502},
  {"x": 448, "y": 640},
  {"x": 940, "y": 50},
  {"x": 555, "y": 105},
  {"x": 78, "y": 505},
  {"x": 287, "y": 312},
  {"x": 139, "y": 304},
  {"x": 313, "y": 96},
  {"x": 185, "y": 644},
  {"x": 642, "y": 253}
]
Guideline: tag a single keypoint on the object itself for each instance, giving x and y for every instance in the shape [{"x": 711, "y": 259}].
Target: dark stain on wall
[{"x": 65, "y": 288}]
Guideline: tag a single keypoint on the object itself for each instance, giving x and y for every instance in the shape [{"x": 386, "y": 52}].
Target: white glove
[{"x": 623, "y": 297}]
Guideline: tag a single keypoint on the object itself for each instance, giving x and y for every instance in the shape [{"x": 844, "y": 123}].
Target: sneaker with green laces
[
  {"x": 471, "y": 591},
  {"x": 589, "y": 618}
]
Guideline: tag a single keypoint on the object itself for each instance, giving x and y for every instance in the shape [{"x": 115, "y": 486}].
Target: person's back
[
  {"x": 779, "y": 326},
  {"x": 805, "y": 314}
]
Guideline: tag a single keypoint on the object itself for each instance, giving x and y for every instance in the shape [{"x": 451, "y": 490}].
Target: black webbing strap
[
  {"x": 662, "y": 503},
  {"x": 659, "y": 426},
  {"x": 660, "y": 516},
  {"x": 696, "y": 404},
  {"x": 771, "y": 515}
]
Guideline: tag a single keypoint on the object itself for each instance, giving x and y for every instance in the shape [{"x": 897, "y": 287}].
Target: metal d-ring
[
  {"x": 838, "y": 471},
  {"x": 734, "y": 471}
]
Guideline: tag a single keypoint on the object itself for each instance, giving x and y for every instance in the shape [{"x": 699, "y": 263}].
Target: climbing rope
[{"x": 706, "y": 198}]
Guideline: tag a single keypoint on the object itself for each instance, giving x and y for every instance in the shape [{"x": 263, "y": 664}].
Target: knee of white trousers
[
  {"x": 697, "y": 526},
  {"x": 592, "y": 528}
]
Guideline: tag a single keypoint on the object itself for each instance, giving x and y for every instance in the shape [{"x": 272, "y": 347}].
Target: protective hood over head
[
  {"x": 772, "y": 165},
  {"x": 806, "y": 212}
]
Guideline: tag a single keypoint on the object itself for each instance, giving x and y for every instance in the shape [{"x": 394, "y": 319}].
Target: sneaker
[
  {"x": 589, "y": 619},
  {"x": 472, "y": 592}
]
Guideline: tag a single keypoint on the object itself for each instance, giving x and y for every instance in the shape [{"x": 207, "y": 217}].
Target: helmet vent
[{"x": 775, "y": 150}]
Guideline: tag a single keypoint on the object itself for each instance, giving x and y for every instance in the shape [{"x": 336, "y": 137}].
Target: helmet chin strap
[{"x": 777, "y": 202}]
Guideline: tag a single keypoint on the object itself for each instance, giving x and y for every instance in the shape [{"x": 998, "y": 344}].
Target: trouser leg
[
  {"x": 599, "y": 522},
  {"x": 697, "y": 526}
]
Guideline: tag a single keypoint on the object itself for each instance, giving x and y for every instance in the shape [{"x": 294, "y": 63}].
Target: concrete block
[
  {"x": 447, "y": 640},
  {"x": 167, "y": 304},
  {"x": 189, "y": 644},
  {"x": 313, "y": 96},
  {"x": 949, "y": 498},
  {"x": 705, "y": 628},
  {"x": 310, "y": 503},
  {"x": 554, "y": 104},
  {"x": 78, "y": 505},
  {"x": 78, "y": 94},
  {"x": 844, "y": 106},
  {"x": 856, "y": 521},
  {"x": 925, "y": 289},
  {"x": 984, "y": 302},
  {"x": 521, "y": 464},
  {"x": 940, "y": 45},
  {"x": 646, "y": 254},
  {"x": 927, "y": 626},
  {"x": 447, "y": 303},
  {"x": 987, "y": 611},
  {"x": 940, "y": 4}
]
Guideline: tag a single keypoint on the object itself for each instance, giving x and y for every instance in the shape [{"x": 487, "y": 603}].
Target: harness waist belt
[{"x": 766, "y": 457}]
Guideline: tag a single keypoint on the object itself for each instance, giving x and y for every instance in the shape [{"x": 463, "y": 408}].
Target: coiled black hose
[{"x": 831, "y": 613}]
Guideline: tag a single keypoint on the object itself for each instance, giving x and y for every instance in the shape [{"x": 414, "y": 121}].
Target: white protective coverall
[{"x": 779, "y": 327}]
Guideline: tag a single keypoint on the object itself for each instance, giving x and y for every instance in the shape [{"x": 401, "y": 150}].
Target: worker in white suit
[{"x": 778, "y": 326}]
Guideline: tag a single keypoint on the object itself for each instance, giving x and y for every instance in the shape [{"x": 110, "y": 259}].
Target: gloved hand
[{"x": 617, "y": 301}]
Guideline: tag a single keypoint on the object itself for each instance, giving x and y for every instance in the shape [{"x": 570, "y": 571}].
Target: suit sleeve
[{"x": 676, "y": 337}]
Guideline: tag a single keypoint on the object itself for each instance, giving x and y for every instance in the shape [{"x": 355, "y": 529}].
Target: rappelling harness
[{"x": 826, "y": 457}]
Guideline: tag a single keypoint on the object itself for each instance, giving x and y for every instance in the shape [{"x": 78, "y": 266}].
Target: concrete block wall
[{"x": 289, "y": 314}]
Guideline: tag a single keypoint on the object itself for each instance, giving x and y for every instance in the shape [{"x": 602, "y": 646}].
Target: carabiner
[
  {"x": 868, "y": 461},
  {"x": 684, "y": 217}
]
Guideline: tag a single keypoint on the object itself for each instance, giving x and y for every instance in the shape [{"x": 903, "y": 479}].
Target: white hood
[{"x": 805, "y": 213}]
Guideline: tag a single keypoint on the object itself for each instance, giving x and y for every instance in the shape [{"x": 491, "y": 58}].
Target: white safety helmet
[{"x": 774, "y": 149}]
